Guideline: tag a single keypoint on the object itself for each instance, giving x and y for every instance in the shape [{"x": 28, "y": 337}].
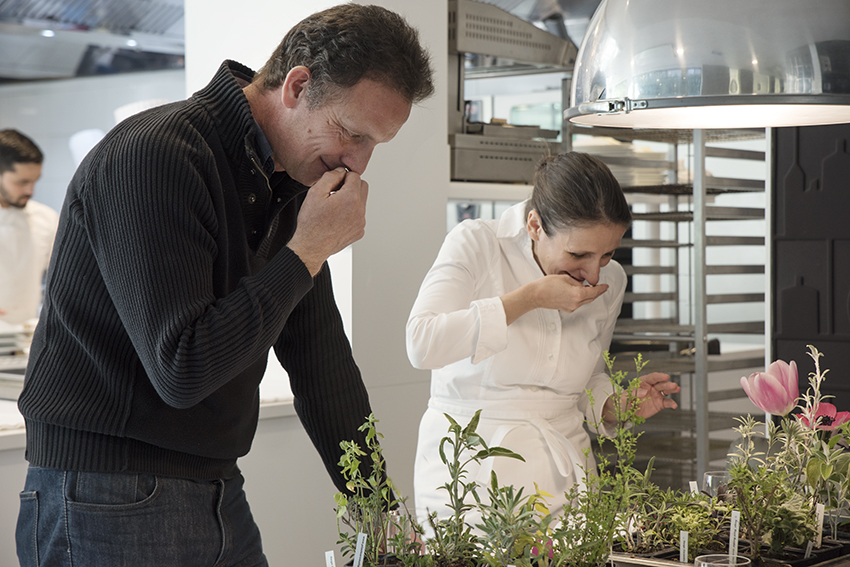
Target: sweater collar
[{"x": 224, "y": 100}]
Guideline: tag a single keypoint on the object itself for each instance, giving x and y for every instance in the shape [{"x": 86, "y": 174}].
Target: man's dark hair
[
  {"x": 17, "y": 148},
  {"x": 347, "y": 43}
]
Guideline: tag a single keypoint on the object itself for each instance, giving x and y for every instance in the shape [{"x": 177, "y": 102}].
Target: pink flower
[
  {"x": 826, "y": 417},
  {"x": 776, "y": 390},
  {"x": 537, "y": 552}
]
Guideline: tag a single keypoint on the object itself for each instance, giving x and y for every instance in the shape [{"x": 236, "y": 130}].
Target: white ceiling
[
  {"x": 156, "y": 26},
  {"x": 72, "y": 26}
]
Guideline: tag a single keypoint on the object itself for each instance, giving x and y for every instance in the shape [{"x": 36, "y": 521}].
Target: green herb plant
[
  {"x": 771, "y": 512},
  {"x": 372, "y": 507},
  {"x": 453, "y": 544},
  {"x": 513, "y": 525},
  {"x": 584, "y": 535}
]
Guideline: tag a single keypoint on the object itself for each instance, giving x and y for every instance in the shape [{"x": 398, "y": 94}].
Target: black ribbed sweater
[{"x": 169, "y": 283}]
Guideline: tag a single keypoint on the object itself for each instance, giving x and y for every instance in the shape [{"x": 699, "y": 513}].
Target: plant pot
[
  {"x": 789, "y": 557},
  {"x": 388, "y": 560},
  {"x": 643, "y": 552},
  {"x": 830, "y": 549},
  {"x": 843, "y": 541}
]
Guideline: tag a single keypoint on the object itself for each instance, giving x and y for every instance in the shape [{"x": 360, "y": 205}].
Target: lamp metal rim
[{"x": 627, "y": 105}]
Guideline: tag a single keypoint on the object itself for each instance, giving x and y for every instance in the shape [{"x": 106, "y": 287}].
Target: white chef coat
[
  {"x": 530, "y": 378},
  {"x": 26, "y": 240}
]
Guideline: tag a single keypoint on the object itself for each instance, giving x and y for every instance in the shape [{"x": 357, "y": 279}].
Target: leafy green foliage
[
  {"x": 594, "y": 515},
  {"x": 370, "y": 506},
  {"x": 511, "y": 523},
  {"x": 453, "y": 543}
]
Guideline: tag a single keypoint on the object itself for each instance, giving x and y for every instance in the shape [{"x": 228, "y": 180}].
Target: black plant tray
[{"x": 629, "y": 560}]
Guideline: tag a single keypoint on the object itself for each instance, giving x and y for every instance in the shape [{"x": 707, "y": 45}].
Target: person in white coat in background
[
  {"x": 513, "y": 319},
  {"x": 27, "y": 229}
]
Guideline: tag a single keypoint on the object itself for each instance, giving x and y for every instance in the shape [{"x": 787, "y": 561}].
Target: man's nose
[{"x": 357, "y": 159}]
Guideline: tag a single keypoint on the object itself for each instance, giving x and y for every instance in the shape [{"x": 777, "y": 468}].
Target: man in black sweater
[{"x": 192, "y": 240}]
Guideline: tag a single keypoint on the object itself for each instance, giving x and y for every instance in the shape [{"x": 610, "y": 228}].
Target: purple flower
[{"x": 776, "y": 390}]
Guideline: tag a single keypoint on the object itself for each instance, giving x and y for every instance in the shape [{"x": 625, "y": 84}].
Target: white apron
[{"x": 548, "y": 433}]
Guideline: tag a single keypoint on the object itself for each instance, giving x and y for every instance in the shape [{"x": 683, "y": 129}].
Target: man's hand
[{"x": 332, "y": 217}]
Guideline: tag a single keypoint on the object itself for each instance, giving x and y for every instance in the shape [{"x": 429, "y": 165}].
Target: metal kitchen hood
[
  {"x": 42, "y": 39},
  {"x": 566, "y": 18}
]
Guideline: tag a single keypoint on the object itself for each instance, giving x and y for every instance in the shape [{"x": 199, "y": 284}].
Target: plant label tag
[
  {"x": 819, "y": 537},
  {"x": 683, "y": 546},
  {"x": 809, "y": 548},
  {"x": 360, "y": 550},
  {"x": 694, "y": 487},
  {"x": 329, "y": 559},
  {"x": 733, "y": 537}
]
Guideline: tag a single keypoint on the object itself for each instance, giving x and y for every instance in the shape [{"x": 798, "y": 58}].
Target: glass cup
[
  {"x": 715, "y": 483},
  {"x": 721, "y": 560}
]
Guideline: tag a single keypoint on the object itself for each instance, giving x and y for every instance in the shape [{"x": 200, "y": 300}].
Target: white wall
[
  {"x": 49, "y": 112},
  {"x": 408, "y": 184}
]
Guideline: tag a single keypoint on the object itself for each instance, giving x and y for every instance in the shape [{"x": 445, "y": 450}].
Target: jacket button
[{"x": 252, "y": 198}]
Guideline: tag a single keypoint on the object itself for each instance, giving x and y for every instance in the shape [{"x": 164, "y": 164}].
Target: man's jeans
[{"x": 84, "y": 519}]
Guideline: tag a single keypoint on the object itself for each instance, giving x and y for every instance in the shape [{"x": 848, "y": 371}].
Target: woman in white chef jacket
[{"x": 513, "y": 318}]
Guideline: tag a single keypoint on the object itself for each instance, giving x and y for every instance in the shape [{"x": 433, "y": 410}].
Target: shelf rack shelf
[{"x": 679, "y": 345}]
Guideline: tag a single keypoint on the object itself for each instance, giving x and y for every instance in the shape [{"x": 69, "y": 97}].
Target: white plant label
[
  {"x": 683, "y": 546},
  {"x": 329, "y": 559},
  {"x": 694, "y": 487},
  {"x": 809, "y": 547},
  {"x": 733, "y": 537},
  {"x": 819, "y": 537},
  {"x": 360, "y": 550}
]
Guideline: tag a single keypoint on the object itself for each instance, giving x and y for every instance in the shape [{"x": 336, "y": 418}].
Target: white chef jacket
[
  {"x": 530, "y": 378},
  {"x": 26, "y": 240}
]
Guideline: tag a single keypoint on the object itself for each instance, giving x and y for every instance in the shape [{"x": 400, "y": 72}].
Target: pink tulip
[
  {"x": 827, "y": 417},
  {"x": 776, "y": 390}
]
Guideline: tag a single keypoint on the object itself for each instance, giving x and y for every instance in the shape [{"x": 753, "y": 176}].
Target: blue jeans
[{"x": 82, "y": 519}]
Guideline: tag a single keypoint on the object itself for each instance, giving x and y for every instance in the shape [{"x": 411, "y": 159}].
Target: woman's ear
[{"x": 533, "y": 225}]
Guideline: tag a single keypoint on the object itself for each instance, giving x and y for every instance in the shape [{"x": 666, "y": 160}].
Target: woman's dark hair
[
  {"x": 346, "y": 43},
  {"x": 574, "y": 189}
]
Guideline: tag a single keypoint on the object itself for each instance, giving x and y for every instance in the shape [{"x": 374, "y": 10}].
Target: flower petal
[
  {"x": 841, "y": 418},
  {"x": 773, "y": 394},
  {"x": 827, "y": 409},
  {"x": 745, "y": 384}
]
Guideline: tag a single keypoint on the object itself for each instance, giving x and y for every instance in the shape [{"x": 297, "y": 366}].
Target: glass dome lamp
[{"x": 713, "y": 64}]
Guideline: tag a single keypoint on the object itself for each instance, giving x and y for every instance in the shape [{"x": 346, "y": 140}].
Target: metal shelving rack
[{"x": 680, "y": 345}]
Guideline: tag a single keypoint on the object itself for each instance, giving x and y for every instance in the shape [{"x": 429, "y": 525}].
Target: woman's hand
[
  {"x": 559, "y": 292},
  {"x": 651, "y": 395}
]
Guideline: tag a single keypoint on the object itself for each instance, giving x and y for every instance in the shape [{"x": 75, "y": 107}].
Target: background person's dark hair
[
  {"x": 574, "y": 189},
  {"x": 346, "y": 43},
  {"x": 17, "y": 148}
]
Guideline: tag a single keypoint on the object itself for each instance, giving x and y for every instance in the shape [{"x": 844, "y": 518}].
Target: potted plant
[
  {"x": 804, "y": 464},
  {"x": 583, "y": 535},
  {"x": 373, "y": 508},
  {"x": 453, "y": 544},
  {"x": 705, "y": 518},
  {"x": 513, "y": 526}
]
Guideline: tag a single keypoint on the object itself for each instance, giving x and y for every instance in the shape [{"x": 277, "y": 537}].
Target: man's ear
[
  {"x": 533, "y": 225},
  {"x": 294, "y": 88}
]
